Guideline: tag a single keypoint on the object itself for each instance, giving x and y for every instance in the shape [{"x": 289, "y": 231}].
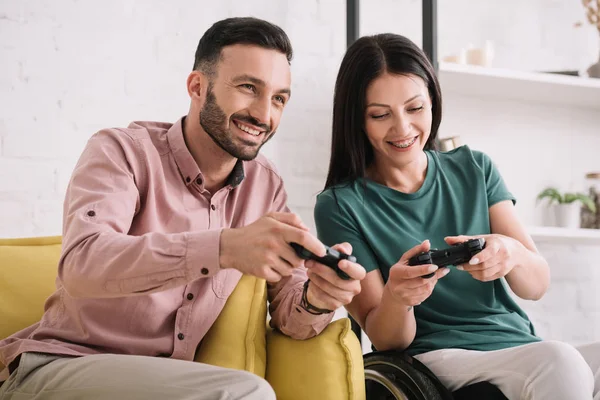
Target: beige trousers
[
  {"x": 538, "y": 371},
  {"x": 116, "y": 377}
]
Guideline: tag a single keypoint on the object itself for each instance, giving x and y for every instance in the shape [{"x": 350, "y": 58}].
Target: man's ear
[{"x": 197, "y": 83}]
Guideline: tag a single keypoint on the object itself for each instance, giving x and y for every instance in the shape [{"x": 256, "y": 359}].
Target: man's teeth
[
  {"x": 404, "y": 145},
  {"x": 251, "y": 131}
]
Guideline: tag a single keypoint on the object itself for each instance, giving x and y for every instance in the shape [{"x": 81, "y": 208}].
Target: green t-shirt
[{"x": 382, "y": 223}]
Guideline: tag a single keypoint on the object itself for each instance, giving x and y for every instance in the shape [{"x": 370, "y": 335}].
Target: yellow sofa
[{"x": 328, "y": 367}]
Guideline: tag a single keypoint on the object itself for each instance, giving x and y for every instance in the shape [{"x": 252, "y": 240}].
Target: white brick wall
[
  {"x": 570, "y": 311},
  {"x": 72, "y": 67},
  {"x": 65, "y": 76}
]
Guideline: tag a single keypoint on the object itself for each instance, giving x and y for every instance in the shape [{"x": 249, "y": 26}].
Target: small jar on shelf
[{"x": 589, "y": 219}]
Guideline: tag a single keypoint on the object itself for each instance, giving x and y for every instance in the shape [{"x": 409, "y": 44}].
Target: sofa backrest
[{"x": 28, "y": 269}]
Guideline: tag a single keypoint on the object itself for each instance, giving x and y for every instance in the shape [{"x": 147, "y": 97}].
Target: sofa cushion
[
  {"x": 328, "y": 366},
  {"x": 28, "y": 269},
  {"x": 237, "y": 339}
]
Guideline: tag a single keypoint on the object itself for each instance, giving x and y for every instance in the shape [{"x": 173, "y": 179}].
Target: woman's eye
[
  {"x": 416, "y": 109},
  {"x": 379, "y": 116}
]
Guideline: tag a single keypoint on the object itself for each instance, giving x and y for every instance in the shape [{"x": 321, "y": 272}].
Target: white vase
[{"x": 568, "y": 215}]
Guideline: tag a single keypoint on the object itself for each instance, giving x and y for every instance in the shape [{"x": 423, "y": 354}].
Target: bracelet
[{"x": 309, "y": 307}]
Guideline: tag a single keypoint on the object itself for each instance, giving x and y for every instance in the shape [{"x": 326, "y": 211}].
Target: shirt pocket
[{"x": 224, "y": 282}]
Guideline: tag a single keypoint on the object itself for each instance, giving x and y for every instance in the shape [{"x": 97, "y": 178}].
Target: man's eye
[
  {"x": 249, "y": 87},
  {"x": 280, "y": 99}
]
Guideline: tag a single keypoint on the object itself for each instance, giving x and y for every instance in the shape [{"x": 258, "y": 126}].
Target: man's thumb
[{"x": 289, "y": 219}]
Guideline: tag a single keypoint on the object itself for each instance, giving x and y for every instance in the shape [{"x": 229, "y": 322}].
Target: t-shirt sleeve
[
  {"x": 336, "y": 225},
  {"x": 494, "y": 183}
]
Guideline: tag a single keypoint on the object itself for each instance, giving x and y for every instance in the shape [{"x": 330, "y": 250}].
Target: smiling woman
[
  {"x": 391, "y": 195},
  {"x": 389, "y": 114}
]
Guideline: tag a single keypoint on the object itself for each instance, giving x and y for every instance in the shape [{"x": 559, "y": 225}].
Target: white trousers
[
  {"x": 537, "y": 371},
  {"x": 116, "y": 377}
]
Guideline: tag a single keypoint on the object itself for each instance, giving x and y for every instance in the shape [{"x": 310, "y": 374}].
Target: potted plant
[{"x": 567, "y": 206}]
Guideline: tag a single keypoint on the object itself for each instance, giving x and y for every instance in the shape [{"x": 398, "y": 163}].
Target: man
[{"x": 160, "y": 222}]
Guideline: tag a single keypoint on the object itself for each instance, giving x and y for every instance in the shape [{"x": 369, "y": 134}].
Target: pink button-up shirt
[{"x": 139, "y": 271}]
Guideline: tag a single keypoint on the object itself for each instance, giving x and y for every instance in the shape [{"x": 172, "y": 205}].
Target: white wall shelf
[
  {"x": 531, "y": 87},
  {"x": 565, "y": 235}
]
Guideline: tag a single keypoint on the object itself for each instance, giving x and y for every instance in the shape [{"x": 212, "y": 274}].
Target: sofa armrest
[
  {"x": 328, "y": 366},
  {"x": 237, "y": 339}
]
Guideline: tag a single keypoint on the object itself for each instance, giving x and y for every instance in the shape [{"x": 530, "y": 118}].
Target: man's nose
[{"x": 261, "y": 111}]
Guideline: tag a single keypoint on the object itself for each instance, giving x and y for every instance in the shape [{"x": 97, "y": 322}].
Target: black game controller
[
  {"x": 457, "y": 254},
  {"x": 331, "y": 258}
]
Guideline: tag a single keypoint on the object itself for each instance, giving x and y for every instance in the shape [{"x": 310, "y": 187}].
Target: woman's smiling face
[{"x": 397, "y": 118}]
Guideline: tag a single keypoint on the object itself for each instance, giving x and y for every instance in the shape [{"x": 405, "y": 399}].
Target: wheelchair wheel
[
  {"x": 389, "y": 375},
  {"x": 382, "y": 386}
]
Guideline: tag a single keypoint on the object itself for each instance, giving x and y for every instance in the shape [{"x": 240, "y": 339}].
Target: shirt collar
[
  {"x": 186, "y": 164},
  {"x": 237, "y": 175}
]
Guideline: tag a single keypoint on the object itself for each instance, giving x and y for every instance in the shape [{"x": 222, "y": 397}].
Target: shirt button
[
  {"x": 91, "y": 213},
  {"x": 199, "y": 181},
  {"x": 190, "y": 296},
  {"x": 213, "y": 207},
  {"x": 187, "y": 179},
  {"x": 204, "y": 271},
  {"x": 180, "y": 336}
]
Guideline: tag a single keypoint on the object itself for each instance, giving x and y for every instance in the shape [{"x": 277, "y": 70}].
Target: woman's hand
[
  {"x": 500, "y": 255},
  {"x": 405, "y": 283}
]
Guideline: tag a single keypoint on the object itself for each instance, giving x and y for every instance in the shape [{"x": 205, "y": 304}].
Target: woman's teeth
[
  {"x": 404, "y": 144},
  {"x": 251, "y": 131}
]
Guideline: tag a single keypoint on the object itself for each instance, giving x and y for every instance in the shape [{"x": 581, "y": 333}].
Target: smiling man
[{"x": 160, "y": 222}]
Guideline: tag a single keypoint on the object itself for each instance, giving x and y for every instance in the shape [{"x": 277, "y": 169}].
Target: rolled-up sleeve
[
  {"x": 100, "y": 258},
  {"x": 285, "y": 296}
]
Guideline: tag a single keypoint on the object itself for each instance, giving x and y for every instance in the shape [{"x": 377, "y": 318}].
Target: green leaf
[
  {"x": 584, "y": 199},
  {"x": 570, "y": 198},
  {"x": 550, "y": 193}
]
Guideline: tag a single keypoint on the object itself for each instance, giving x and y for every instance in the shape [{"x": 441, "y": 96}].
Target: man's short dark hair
[{"x": 240, "y": 30}]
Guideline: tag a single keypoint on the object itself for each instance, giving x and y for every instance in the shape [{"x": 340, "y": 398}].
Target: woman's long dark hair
[{"x": 365, "y": 60}]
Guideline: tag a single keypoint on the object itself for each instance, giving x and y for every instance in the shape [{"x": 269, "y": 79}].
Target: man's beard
[{"x": 214, "y": 122}]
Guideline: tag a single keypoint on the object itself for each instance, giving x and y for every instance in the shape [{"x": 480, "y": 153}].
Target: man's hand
[
  {"x": 405, "y": 283},
  {"x": 326, "y": 289},
  {"x": 263, "y": 248},
  {"x": 500, "y": 256}
]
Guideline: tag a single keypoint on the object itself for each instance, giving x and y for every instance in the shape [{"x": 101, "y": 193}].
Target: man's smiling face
[{"x": 245, "y": 99}]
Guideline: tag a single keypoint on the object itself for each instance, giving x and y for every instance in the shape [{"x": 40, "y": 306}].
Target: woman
[{"x": 391, "y": 195}]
